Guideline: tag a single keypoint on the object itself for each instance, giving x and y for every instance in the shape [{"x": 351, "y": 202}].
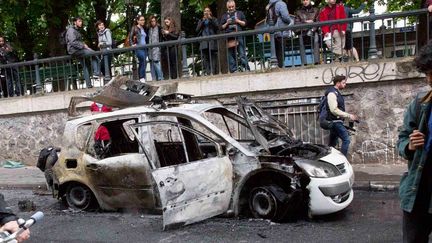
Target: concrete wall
[{"x": 380, "y": 93}]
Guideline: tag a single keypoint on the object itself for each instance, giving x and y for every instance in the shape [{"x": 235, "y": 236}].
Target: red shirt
[
  {"x": 95, "y": 108},
  {"x": 102, "y": 133},
  {"x": 333, "y": 13}
]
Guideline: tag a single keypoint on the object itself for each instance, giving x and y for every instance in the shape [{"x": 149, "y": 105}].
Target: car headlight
[{"x": 319, "y": 169}]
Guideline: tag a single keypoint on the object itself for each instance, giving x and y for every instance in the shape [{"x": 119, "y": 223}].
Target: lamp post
[
  {"x": 372, "y": 53},
  {"x": 273, "y": 59}
]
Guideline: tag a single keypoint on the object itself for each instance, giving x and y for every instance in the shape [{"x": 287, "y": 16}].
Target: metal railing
[{"x": 253, "y": 51}]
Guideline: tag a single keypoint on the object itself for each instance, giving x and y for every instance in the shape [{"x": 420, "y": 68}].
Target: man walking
[
  {"x": 415, "y": 145},
  {"x": 233, "y": 21},
  {"x": 336, "y": 114},
  {"x": 78, "y": 49}
]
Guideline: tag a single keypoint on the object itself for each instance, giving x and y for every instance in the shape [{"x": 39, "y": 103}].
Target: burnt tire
[
  {"x": 263, "y": 203},
  {"x": 80, "y": 197}
]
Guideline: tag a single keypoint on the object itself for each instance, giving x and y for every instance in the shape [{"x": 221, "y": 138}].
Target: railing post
[
  {"x": 185, "y": 69},
  {"x": 37, "y": 75},
  {"x": 273, "y": 59},
  {"x": 372, "y": 53}
]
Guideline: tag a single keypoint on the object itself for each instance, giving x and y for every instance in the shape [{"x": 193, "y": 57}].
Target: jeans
[
  {"x": 339, "y": 131},
  {"x": 108, "y": 59},
  {"x": 156, "y": 70},
  {"x": 315, "y": 39},
  {"x": 232, "y": 56},
  {"x": 209, "y": 58},
  {"x": 141, "y": 54},
  {"x": 85, "y": 65}
]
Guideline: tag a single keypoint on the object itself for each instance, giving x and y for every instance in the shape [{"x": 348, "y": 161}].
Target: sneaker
[
  {"x": 95, "y": 76},
  {"x": 142, "y": 80}
]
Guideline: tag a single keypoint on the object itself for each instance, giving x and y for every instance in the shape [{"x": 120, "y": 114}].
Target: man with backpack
[
  {"x": 415, "y": 145},
  {"x": 78, "y": 49},
  {"x": 277, "y": 10},
  {"x": 334, "y": 114}
]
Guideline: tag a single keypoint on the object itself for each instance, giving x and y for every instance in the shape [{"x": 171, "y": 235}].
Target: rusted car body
[{"x": 188, "y": 162}]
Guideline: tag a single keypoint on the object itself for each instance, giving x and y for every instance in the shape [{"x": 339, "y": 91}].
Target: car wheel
[
  {"x": 262, "y": 203},
  {"x": 79, "y": 197}
]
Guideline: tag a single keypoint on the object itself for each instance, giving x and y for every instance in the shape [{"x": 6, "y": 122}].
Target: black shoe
[{"x": 89, "y": 86}]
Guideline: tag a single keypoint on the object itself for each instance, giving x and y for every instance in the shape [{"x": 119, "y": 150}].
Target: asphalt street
[{"x": 372, "y": 217}]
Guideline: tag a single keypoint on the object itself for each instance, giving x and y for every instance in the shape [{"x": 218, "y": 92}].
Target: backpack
[
  {"x": 62, "y": 37},
  {"x": 278, "y": 22},
  {"x": 43, "y": 155},
  {"x": 323, "y": 114}
]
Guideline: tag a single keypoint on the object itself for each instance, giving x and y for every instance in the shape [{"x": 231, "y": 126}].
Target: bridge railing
[{"x": 390, "y": 35}]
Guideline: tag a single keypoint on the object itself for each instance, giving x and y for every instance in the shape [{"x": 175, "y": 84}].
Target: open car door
[
  {"x": 190, "y": 189},
  {"x": 194, "y": 191}
]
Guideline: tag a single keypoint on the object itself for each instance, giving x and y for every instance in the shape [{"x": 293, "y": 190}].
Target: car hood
[{"x": 335, "y": 157}]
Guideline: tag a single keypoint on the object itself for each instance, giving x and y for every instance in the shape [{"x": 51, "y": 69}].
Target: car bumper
[{"x": 330, "y": 195}]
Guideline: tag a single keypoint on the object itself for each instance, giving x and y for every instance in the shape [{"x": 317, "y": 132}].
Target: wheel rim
[
  {"x": 79, "y": 197},
  {"x": 263, "y": 204}
]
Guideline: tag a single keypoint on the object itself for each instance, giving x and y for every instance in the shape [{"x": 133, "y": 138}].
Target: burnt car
[{"x": 195, "y": 161}]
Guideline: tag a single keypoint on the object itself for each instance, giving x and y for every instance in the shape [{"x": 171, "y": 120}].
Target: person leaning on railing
[
  {"x": 234, "y": 21},
  {"x": 104, "y": 43},
  {"x": 170, "y": 33},
  {"x": 138, "y": 36},
  {"x": 307, "y": 14},
  {"x": 207, "y": 26},
  {"x": 154, "y": 55},
  {"x": 428, "y": 5},
  {"x": 7, "y": 55},
  {"x": 349, "y": 47},
  {"x": 8, "y": 221},
  {"x": 334, "y": 35}
]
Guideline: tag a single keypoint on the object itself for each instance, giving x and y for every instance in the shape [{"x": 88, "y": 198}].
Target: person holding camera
[
  {"x": 8, "y": 221},
  {"x": 234, "y": 21},
  {"x": 104, "y": 43},
  {"x": 7, "y": 56},
  {"x": 207, "y": 26},
  {"x": 138, "y": 37}
]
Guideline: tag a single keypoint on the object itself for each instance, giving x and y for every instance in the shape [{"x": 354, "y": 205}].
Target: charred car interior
[{"x": 195, "y": 161}]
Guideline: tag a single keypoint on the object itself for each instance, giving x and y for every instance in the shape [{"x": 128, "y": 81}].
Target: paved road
[{"x": 372, "y": 217}]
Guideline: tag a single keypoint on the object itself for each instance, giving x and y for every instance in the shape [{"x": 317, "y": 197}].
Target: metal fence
[{"x": 183, "y": 58}]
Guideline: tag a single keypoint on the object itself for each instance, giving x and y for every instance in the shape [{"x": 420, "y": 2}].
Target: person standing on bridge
[
  {"x": 336, "y": 114},
  {"x": 415, "y": 145},
  {"x": 8, "y": 221},
  {"x": 78, "y": 49}
]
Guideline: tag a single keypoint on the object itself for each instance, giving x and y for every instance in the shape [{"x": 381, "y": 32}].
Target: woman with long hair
[
  {"x": 169, "y": 33},
  {"x": 155, "y": 36},
  {"x": 138, "y": 37},
  {"x": 104, "y": 43}
]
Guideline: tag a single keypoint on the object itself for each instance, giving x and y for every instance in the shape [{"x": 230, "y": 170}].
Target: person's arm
[
  {"x": 324, "y": 17},
  {"x": 6, "y": 214},
  {"x": 108, "y": 36},
  {"x": 342, "y": 15},
  {"x": 241, "y": 19},
  {"x": 72, "y": 40},
  {"x": 428, "y": 5},
  {"x": 215, "y": 23},
  {"x": 199, "y": 26},
  {"x": 357, "y": 10},
  {"x": 332, "y": 104},
  {"x": 409, "y": 125},
  {"x": 283, "y": 12}
]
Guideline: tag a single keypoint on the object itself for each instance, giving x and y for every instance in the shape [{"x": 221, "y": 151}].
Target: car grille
[{"x": 341, "y": 168}]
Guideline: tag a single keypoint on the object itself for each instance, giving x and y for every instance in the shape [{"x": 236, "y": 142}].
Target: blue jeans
[
  {"x": 156, "y": 70},
  {"x": 84, "y": 63},
  {"x": 142, "y": 62},
  {"x": 339, "y": 131},
  {"x": 232, "y": 56}
]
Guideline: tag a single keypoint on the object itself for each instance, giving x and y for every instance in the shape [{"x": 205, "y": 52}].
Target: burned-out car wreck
[{"x": 195, "y": 161}]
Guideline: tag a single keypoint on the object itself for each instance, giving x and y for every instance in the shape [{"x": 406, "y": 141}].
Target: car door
[{"x": 190, "y": 191}]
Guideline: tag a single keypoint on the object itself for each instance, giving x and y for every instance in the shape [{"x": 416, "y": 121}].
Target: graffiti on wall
[{"x": 372, "y": 72}]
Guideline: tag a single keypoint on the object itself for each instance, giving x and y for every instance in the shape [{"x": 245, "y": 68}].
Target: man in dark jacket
[
  {"x": 307, "y": 14},
  {"x": 336, "y": 113},
  {"x": 208, "y": 26},
  {"x": 77, "y": 48},
  {"x": 8, "y": 221},
  {"x": 233, "y": 21},
  {"x": 415, "y": 145}
]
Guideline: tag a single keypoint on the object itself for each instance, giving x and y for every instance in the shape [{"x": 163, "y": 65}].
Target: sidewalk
[{"x": 374, "y": 177}]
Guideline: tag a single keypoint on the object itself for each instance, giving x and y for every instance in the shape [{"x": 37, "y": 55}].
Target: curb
[
  {"x": 377, "y": 186},
  {"x": 23, "y": 186}
]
